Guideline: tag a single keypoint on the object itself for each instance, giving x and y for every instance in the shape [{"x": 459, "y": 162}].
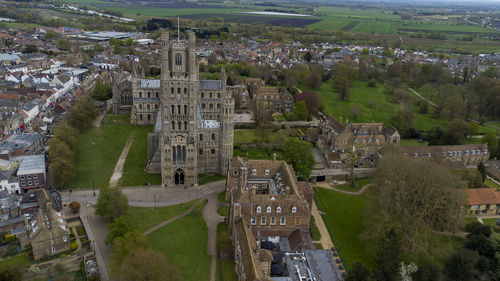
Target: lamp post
[{"x": 93, "y": 186}]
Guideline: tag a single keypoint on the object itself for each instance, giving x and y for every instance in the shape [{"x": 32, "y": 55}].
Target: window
[
  {"x": 140, "y": 94},
  {"x": 201, "y": 137},
  {"x": 201, "y": 151},
  {"x": 213, "y": 136},
  {"x": 235, "y": 181},
  {"x": 294, "y": 210},
  {"x": 218, "y": 105},
  {"x": 218, "y": 95},
  {"x": 172, "y": 91},
  {"x": 202, "y": 106},
  {"x": 178, "y": 59},
  {"x": 173, "y": 125},
  {"x": 254, "y": 172},
  {"x": 259, "y": 209},
  {"x": 37, "y": 182},
  {"x": 65, "y": 238},
  {"x": 140, "y": 106},
  {"x": 23, "y": 183},
  {"x": 35, "y": 177},
  {"x": 278, "y": 210},
  {"x": 283, "y": 221},
  {"x": 172, "y": 109},
  {"x": 149, "y": 117},
  {"x": 273, "y": 220},
  {"x": 202, "y": 95},
  {"x": 185, "y": 91},
  {"x": 267, "y": 172},
  {"x": 254, "y": 221},
  {"x": 235, "y": 172},
  {"x": 29, "y": 177},
  {"x": 53, "y": 249},
  {"x": 268, "y": 209},
  {"x": 157, "y": 94},
  {"x": 211, "y": 106},
  {"x": 185, "y": 109},
  {"x": 30, "y": 183},
  {"x": 149, "y": 94},
  {"x": 210, "y": 95},
  {"x": 212, "y": 151},
  {"x": 22, "y": 177},
  {"x": 263, "y": 220},
  {"x": 140, "y": 117}
]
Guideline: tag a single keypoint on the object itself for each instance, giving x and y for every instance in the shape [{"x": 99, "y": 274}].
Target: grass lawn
[
  {"x": 223, "y": 211},
  {"x": 225, "y": 267},
  {"x": 184, "y": 244},
  {"x": 412, "y": 142},
  {"x": 221, "y": 196},
  {"x": 490, "y": 222},
  {"x": 257, "y": 153},
  {"x": 358, "y": 182},
  {"x": 313, "y": 229},
  {"x": 249, "y": 136},
  {"x": 490, "y": 183},
  {"x": 137, "y": 159},
  {"x": 145, "y": 218},
  {"x": 14, "y": 260},
  {"x": 374, "y": 103},
  {"x": 344, "y": 220},
  {"x": 204, "y": 179},
  {"x": 96, "y": 155}
]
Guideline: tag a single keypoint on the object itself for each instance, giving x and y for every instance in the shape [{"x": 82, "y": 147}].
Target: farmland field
[{"x": 380, "y": 27}]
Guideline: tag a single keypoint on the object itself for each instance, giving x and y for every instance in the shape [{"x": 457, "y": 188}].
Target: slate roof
[
  {"x": 213, "y": 85},
  {"x": 149, "y": 83}
]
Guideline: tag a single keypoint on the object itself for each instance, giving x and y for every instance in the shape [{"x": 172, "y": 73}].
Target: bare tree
[{"x": 353, "y": 152}]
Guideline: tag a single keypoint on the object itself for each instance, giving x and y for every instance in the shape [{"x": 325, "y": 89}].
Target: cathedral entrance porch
[{"x": 179, "y": 177}]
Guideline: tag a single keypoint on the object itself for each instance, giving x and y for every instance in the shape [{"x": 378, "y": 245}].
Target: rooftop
[{"x": 32, "y": 164}]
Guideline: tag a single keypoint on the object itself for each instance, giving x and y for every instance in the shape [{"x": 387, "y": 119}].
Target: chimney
[{"x": 274, "y": 157}]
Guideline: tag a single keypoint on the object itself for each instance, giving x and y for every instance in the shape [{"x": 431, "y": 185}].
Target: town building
[
  {"x": 457, "y": 156},
  {"x": 193, "y": 119},
  {"x": 32, "y": 172},
  {"x": 274, "y": 100},
  {"x": 483, "y": 201}
]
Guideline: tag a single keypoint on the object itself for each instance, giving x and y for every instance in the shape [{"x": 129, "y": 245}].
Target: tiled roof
[
  {"x": 422, "y": 150},
  {"x": 483, "y": 196}
]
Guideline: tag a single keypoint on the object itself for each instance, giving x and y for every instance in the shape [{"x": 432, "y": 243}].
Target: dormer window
[
  {"x": 294, "y": 210},
  {"x": 254, "y": 172},
  {"x": 267, "y": 172},
  {"x": 254, "y": 221},
  {"x": 278, "y": 210},
  {"x": 259, "y": 209},
  {"x": 268, "y": 209}
]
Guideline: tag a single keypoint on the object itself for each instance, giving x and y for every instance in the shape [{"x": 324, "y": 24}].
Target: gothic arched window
[{"x": 178, "y": 59}]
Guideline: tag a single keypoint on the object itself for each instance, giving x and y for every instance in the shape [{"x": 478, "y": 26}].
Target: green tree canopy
[
  {"x": 112, "y": 203},
  {"x": 299, "y": 154}
]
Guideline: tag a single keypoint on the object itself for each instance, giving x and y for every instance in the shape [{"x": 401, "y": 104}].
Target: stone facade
[
  {"x": 483, "y": 201},
  {"x": 456, "y": 156},
  {"x": 332, "y": 136},
  {"x": 192, "y": 118},
  {"x": 122, "y": 93},
  {"x": 274, "y": 100}
]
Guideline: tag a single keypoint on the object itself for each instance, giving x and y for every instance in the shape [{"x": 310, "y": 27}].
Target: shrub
[
  {"x": 73, "y": 246},
  {"x": 10, "y": 237},
  {"x": 372, "y": 83}
]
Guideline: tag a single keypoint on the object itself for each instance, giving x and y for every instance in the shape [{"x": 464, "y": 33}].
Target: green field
[
  {"x": 145, "y": 218},
  {"x": 225, "y": 267},
  {"x": 249, "y": 136},
  {"x": 20, "y": 259},
  {"x": 97, "y": 155},
  {"x": 359, "y": 182},
  {"x": 412, "y": 142},
  {"x": 184, "y": 244},
  {"x": 344, "y": 220},
  {"x": 204, "y": 179},
  {"x": 490, "y": 183}
]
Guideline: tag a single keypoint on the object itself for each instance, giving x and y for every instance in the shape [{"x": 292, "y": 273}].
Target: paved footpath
[
  {"x": 328, "y": 186},
  {"x": 212, "y": 219}
]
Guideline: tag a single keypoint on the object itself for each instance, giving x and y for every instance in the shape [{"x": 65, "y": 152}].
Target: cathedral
[{"x": 192, "y": 119}]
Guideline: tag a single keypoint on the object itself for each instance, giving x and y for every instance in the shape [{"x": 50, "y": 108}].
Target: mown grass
[
  {"x": 225, "y": 267},
  {"x": 20, "y": 259},
  {"x": 146, "y": 218},
  {"x": 344, "y": 220},
  {"x": 412, "y": 142},
  {"x": 184, "y": 244},
  {"x": 257, "y": 153},
  {"x": 204, "y": 179},
  {"x": 491, "y": 183},
  {"x": 249, "y": 136},
  {"x": 359, "y": 183}
]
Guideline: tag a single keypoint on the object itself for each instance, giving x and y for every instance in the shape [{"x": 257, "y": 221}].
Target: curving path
[
  {"x": 118, "y": 172},
  {"x": 189, "y": 211},
  {"x": 359, "y": 192}
]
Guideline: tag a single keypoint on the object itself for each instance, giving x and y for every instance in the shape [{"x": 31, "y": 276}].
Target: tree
[
  {"x": 63, "y": 44},
  {"x": 482, "y": 169},
  {"x": 358, "y": 273},
  {"x": 299, "y": 154},
  {"x": 491, "y": 139},
  {"x": 147, "y": 264},
  {"x": 355, "y": 111},
  {"x": 341, "y": 85},
  {"x": 461, "y": 265},
  {"x": 118, "y": 228},
  {"x": 388, "y": 257},
  {"x": 118, "y": 50},
  {"x": 262, "y": 118},
  {"x": 75, "y": 206},
  {"x": 456, "y": 132},
  {"x": 59, "y": 273},
  {"x": 428, "y": 271},
  {"x": 102, "y": 91},
  {"x": 481, "y": 245},
  {"x": 300, "y": 110},
  {"x": 112, "y": 203},
  {"x": 353, "y": 151},
  {"x": 50, "y": 34},
  {"x": 308, "y": 56},
  {"x": 403, "y": 121},
  {"x": 127, "y": 244},
  {"x": 12, "y": 272},
  {"x": 30, "y": 48},
  {"x": 415, "y": 197}
]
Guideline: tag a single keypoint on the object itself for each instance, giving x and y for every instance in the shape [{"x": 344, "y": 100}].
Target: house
[
  {"x": 483, "y": 201},
  {"x": 32, "y": 172},
  {"x": 21, "y": 145},
  {"x": 46, "y": 229},
  {"x": 458, "y": 156},
  {"x": 240, "y": 96},
  {"x": 10, "y": 124},
  {"x": 274, "y": 100},
  {"x": 9, "y": 59},
  {"x": 9, "y": 182}
]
